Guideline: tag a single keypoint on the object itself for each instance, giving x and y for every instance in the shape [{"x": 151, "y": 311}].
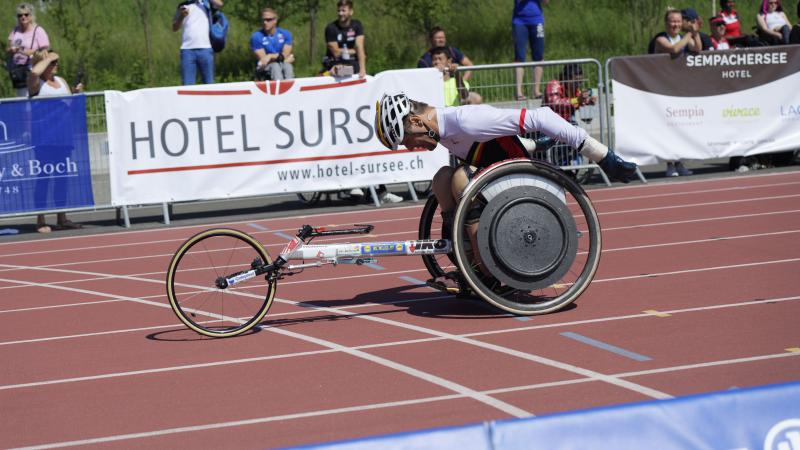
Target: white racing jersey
[{"x": 461, "y": 127}]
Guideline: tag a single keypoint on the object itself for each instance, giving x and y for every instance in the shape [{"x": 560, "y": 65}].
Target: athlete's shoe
[
  {"x": 388, "y": 197},
  {"x": 617, "y": 168}
]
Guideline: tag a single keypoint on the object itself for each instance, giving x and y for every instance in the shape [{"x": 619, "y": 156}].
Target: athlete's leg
[
  {"x": 553, "y": 125},
  {"x": 460, "y": 179},
  {"x": 441, "y": 187}
]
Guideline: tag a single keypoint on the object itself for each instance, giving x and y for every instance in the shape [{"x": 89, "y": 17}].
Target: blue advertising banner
[{"x": 44, "y": 155}]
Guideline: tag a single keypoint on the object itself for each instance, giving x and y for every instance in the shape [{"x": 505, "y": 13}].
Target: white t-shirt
[
  {"x": 195, "y": 28},
  {"x": 775, "y": 20},
  {"x": 461, "y": 126},
  {"x": 45, "y": 90}
]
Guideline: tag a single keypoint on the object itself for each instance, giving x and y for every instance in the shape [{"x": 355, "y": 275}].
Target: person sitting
[
  {"x": 455, "y": 90},
  {"x": 718, "y": 39},
  {"x": 733, "y": 27},
  {"x": 479, "y": 136},
  {"x": 671, "y": 41},
  {"x": 272, "y": 47},
  {"x": 773, "y": 26},
  {"x": 437, "y": 39},
  {"x": 564, "y": 95},
  {"x": 690, "y": 19}
]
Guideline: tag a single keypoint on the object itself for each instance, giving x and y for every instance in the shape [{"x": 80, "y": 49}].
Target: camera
[{"x": 342, "y": 70}]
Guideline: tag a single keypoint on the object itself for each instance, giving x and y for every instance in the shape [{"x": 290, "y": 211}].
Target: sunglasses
[
  {"x": 23, "y": 15},
  {"x": 269, "y": 19}
]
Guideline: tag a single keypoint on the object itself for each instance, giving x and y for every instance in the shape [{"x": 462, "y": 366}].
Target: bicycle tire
[
  {"x": 191, "y": 285},
  {"x": 309, "y": 198},
  {"x": 575, "y": 281},
  {"x": 430, "y": 227}
]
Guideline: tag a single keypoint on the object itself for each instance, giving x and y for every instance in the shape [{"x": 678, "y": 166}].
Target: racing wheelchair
[{"x": 538, "y": 237}]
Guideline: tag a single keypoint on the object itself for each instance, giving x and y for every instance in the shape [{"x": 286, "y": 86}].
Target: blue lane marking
[
  {"x": 374, "y": 266},
  {"x": 257, "y": 226},
  {"x": 413, "y": 280},
  {"x": 523, "y": 318},
  {"x": 283, "y": 235},
  {"x": 604, "y": 346}
]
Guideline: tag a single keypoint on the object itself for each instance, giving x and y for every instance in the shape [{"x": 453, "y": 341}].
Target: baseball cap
[
  {"x": 689, "y": 14},
  {"x": 716, "y": 20}
]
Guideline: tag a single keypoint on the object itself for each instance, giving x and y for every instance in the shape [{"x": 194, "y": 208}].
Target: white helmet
[{"x": 389, "y": 114}]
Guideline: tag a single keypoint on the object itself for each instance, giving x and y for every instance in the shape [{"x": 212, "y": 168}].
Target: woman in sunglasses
[
  {"x": 43, "y": 82},
  {"x": 773, "y": 25},
  {"x": 23, "y": 41}
]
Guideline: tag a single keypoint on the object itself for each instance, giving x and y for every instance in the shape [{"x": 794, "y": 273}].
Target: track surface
[{"x": 697, "y": 291}]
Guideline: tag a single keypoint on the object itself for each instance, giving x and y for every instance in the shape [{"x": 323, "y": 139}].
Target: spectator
[
  {"x": 527, "y": 26},
  {"x": 718, "y": 39},
  {"x": 196, "y": 52},
  {"x": 670, "y": 40},
  {"x": 564, "y": 95},
  {"x": 733, "y": 31},
  {"x": 345, "y": 41},
  {"x": 773, "y": 26},
  {"x": 438, "y": 38},
  {"x": 43, "y": 82},
  {"x": 453, "y": 90},
  {"x": 272, "y": 47},
  {"x": 692, "y": 19},
  {"x": 794, "y": 37},
  {"x": 23, "y": 41}
]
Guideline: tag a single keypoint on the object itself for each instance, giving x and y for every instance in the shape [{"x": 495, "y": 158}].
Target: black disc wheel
[
  {"x": 193, "y": 283},
  {"x": 431, "y": 227},
  {"x": 537, "y": 235}
]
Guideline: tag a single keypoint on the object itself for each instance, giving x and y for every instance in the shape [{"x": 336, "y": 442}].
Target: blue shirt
[
  {"x": 270, "y": 43},
  {"x": 527, "y": 12}
]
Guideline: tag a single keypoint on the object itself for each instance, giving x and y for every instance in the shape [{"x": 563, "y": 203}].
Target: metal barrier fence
[
  {"x": 495, "y": 83},
  {"x": 500, "y": 84}
]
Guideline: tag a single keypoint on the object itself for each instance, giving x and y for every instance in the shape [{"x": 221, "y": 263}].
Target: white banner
[
  {"x": 712, "y": 105},
  {"x": 253, "y": 138}
]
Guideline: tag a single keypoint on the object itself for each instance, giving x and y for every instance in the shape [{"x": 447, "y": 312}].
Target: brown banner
[{"x": 707, "y": 73}]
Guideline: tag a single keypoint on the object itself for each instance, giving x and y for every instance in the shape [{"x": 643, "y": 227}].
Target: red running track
[{"x": 697, "y": 291}]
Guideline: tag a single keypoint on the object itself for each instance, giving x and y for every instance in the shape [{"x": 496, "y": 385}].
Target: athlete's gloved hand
[{"x": 617, "y": 168}]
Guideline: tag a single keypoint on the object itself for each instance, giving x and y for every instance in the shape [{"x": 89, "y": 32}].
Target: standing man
[
  {"x": 345, "y": 40},
  {"x": 196, "y": 52},
  {"x": 527, "y": 28},
  {"x": 272, "y": 47}
]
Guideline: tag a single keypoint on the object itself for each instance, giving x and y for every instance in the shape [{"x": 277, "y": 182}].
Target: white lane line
[
  {"x": 206, "y": 226},
  {"x": 709, "y": 219},
  {"x": 65, "y": 305},
  {"x": 169, "y": 255},
  {"x": 694, "y": 205},
  {"x": 702, "y": 241},
  {"x": 695, "y": 192},
  {"x": 506, "y": 408},
  {"x": 239, "y": 423},
  {"x": 375, "y": 406},
  {"x": 250, "y": 222},
  {"x": 702, "y": 269},
  {"x": 138, "y": 276},
  {"x": 528, "y": 356}
]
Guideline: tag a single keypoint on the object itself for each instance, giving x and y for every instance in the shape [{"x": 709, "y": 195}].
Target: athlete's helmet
[{"x": 389, "y": 114}]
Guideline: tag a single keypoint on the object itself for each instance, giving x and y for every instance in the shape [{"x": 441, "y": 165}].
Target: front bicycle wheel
[{"x": 194, "y": 295}]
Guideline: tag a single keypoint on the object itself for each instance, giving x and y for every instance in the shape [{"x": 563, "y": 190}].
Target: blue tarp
[
  {"x": 754, "y": 418},
  {"x": 44, "y": 155}
]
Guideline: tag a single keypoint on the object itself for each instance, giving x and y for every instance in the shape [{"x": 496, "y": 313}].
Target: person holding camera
[
  {"x": 43, "y": 82},
  {"x": 23, "y": 41},
  {"x": 196, "y": 51},
  {"x": 272, "y": 47},
  {"x": 344, "y": 38},
  {"x": 455, "y": 90}
]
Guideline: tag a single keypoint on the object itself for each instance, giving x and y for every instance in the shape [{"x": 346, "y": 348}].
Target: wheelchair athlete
[{"x": 479, "y": 135}]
